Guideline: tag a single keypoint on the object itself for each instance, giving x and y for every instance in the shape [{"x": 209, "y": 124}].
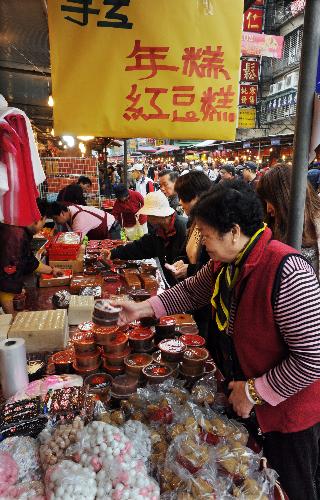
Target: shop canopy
[
  {"x": 205, "y": 144},
  {"x": 167, "y": 149},
  {"x": 147, "y": 149}
]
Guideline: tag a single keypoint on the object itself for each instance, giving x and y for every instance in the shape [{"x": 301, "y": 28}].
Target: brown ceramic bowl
[
  {"x": 156, "y": 374},
  {"x": 136, "y": 362},
  {"x": 172, "y": 350}
]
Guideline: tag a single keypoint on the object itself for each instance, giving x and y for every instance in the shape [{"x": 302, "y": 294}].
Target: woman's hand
[
  {"x": 238, "y": 399},
  {"x": 56, "y": 271},
  {"x": 179, "y": 269},
  {"x": 132, "y": 311}
]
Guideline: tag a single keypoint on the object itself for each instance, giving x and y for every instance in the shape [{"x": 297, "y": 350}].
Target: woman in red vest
[{"x": 265, "y": 333}]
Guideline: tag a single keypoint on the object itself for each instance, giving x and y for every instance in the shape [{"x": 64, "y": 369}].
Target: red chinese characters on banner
[
  {"x": 253, "y": 20},
  {"x": 213, "y": 106},
  {"x": 206, "y": 62},
  {"x": 248, "y": 95},
  {"x": 249, "y": 71},
  {"x": 147, "y": 59},
  {"x": 187, "y": 105},
  {"x": 184, "y": 96}
]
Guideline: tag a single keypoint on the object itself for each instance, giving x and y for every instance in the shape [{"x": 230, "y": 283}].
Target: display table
[{"x": 136, "y": 411}]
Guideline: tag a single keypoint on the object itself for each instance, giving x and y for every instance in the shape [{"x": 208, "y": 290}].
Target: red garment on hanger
[{"x": 19, "y": 205}]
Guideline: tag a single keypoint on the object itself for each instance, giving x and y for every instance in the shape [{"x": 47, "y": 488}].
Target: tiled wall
[{"x": 62, "y": 171}]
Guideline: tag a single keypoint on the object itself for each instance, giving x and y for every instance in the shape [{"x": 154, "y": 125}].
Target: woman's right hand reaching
[{"x": 132, "y": 311}]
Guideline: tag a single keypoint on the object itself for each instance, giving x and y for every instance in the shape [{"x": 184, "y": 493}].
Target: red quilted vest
[{"x": 258, "y": 343}]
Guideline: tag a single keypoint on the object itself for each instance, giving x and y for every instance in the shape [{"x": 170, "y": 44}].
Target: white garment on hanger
[{"x": 38, "y": 172}]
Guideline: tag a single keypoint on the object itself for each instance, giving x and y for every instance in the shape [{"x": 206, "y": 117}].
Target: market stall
[{"x": 102, "y": 412}]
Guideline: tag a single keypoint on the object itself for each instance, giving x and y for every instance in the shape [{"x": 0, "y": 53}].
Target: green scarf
[{"x": 226, "y": 280}]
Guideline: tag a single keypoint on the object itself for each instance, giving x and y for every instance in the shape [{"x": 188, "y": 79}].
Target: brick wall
[{"x": 62, "y": 171}]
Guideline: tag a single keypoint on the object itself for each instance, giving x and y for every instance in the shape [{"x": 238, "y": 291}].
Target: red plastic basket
[{"x": 63, "y": 251}]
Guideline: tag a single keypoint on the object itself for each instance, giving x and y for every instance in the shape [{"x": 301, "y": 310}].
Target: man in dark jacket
[
  {"x": 249, "y": 172},
  {"x": 164, "y": 241},
  {"x": 167, "y": 179},
  {"x": 74, "y": 193}
]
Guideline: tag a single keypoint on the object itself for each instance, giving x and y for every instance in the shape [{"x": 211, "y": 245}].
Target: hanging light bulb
[
  {"x": 50, "y": 101},
  {"x": 52, "y": 132},
  {"x": 82, "y": 148},
  {"x": 69, "y": 140}
]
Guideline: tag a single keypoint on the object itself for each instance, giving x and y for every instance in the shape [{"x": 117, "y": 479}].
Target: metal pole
[
  {"x": 125, "y": 162},
  {"x": 303, "y": 124}
]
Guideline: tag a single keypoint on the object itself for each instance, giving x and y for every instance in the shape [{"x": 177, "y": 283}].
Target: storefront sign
[
  {"x": 249, "y": 71},
  {"x": 256, "y": 44},
  {"x": 248, "y": 95},
  {"x": 253, "y": 20},
  {"x": 275, "y": 142},
  {"x": 124, "y": 68}
]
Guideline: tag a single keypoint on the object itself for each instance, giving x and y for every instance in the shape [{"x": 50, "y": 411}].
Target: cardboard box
[
  {"x": 75, "y": 265},
  {"x": 46, "y": 280}
]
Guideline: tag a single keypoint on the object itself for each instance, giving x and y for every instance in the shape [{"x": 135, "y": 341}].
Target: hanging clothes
[{"x": 20, "y": 168}]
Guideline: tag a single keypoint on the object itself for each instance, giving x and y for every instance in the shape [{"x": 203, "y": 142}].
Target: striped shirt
[{"x": 296, "y": 313}]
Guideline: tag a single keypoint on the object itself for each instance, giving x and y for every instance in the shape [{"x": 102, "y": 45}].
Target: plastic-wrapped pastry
[
  {"x": 61, "y": 299},
  {"x": 94, "y": 291}
]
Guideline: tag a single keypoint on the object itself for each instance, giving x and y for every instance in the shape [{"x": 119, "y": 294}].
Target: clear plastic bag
[
  {"x": 140, "y": 437},
  {"x": 68, "y": 480},
  {"x": 260, "y": 486},
  {"x": 239, "y": 462},
  {"x": 130, "y": 481},
  {"x": 55, "y": 441},
  {"x": 24, "y": 451},
  {"x": 9, "y": 472},
  {"x": 187, "y": 454},
  {"x": 118, "y": 464},
  {"x": 204, "y": 391}
]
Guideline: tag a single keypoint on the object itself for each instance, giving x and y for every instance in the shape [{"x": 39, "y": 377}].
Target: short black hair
[
  {"x": 228, "y": 167},
  {"x": 55, "y": 208},
  {"x": 84, "y": 180},
  {"x": 42, "y": 207},
  {"x": 173, "y": 175},
  {"x": 228, "y": 204},
  {"x": 121, "y": 191},
  {"x": 192, "y": 184}
]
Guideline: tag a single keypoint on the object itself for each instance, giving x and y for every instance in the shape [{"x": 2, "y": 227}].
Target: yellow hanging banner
[{"x": 145, "y": 68}]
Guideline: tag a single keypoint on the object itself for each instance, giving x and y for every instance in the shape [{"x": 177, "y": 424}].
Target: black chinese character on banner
[
  {"x": 83, "y": 9},
  {"x": 114, "y": 18}
]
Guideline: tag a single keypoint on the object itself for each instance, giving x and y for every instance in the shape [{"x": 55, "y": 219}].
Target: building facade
[{"x": 279, "y": 78}]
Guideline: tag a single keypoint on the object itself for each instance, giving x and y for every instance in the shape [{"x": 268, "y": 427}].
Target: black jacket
[
  {"x": 16, "y": 257},
  {"x": 151, "y": 245},
  {"x": 174, "y": 203}
]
